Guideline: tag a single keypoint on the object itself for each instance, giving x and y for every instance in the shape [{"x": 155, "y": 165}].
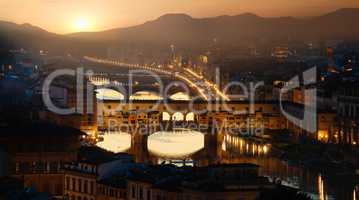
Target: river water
[{"x": 193, "y": 148}]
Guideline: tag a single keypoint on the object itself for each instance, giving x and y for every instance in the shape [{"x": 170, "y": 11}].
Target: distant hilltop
[{"x": 184, "y": 30}]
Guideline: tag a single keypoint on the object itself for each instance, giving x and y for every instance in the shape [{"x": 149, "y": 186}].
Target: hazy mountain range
[{"x": 183, "y": 30}]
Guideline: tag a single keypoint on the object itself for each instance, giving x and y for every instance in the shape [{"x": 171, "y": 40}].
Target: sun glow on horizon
[{"x": 82, "y": 24}]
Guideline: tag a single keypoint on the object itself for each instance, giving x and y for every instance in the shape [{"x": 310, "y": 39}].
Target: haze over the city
[{"x": 95, "y": 15}]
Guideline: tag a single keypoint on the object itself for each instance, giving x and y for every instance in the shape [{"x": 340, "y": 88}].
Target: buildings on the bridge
[
  {"x": 235, "y": 114},
  {"x": 263, "y": 117}
]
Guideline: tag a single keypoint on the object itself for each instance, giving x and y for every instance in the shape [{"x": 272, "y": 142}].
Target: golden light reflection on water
[
  {"x": 322, "y": 195},
  {"x": 181, "y": 148},
  {"x": 354, "y": 195},
  {"x": 176, "y": 144},
  {"x": 235, "y": 144},
  {"x": 116, "y": 142}
]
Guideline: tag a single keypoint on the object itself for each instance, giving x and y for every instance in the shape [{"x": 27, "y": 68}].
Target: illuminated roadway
[{"x": 206, "y": 89}]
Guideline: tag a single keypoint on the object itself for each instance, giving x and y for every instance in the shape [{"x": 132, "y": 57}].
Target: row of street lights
[{"x": 159, "y": 70}]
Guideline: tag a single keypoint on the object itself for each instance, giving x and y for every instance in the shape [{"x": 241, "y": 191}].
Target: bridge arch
[
  {"x": 190, "y": 117},
  {"x": 166, "y": 116},
  {"x": 178, "y": 116},
  {"x": 145, "y": 95},
  {"x": 109, "y": 94},
  {"x": 180, "y": 96}
]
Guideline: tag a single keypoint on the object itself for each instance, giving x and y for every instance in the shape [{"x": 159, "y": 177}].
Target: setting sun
[{"x": 82, "y": 24}]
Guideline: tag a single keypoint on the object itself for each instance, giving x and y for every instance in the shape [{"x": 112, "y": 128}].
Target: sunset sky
[{"x": 66, "y": 16}]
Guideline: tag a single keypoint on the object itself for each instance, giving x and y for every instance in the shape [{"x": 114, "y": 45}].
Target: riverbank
[{"x": 325, "y": 158}]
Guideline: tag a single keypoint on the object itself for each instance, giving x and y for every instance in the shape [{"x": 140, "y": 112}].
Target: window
[
  {"x": 46, "y": 188},
  {"x": 148, "y": 194},
  {"x": 111, "y": 193},
  {"x": 141, "y": 193},
  {"x": 14, "y": 167},
  {"x": 53, "y": 166},
  {"x": 133, "y": 191},
  {"x": 58, "y": 188},
  {"x": 91, "y": 187},
  {"x": 39, "y": 167},
  {"x": 67, "y": 183},
  {"x": 73, "y": 184},
  {"x": 80, "y": 185},
  {"x": 86, "y": 186}
]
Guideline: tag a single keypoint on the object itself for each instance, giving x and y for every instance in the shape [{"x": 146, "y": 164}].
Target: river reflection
[
  {"x": 118, "y": 142},
  {"x": 242, "y": 146},
  {"x": 194, "y": 149},
  {"x": 175, "y": 145}
]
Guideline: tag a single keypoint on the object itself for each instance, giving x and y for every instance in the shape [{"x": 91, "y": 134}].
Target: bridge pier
[{"x": 139, "y": 144}]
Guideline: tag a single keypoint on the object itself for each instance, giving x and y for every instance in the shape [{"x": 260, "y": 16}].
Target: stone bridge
[{"x": 165, "y": 89}]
